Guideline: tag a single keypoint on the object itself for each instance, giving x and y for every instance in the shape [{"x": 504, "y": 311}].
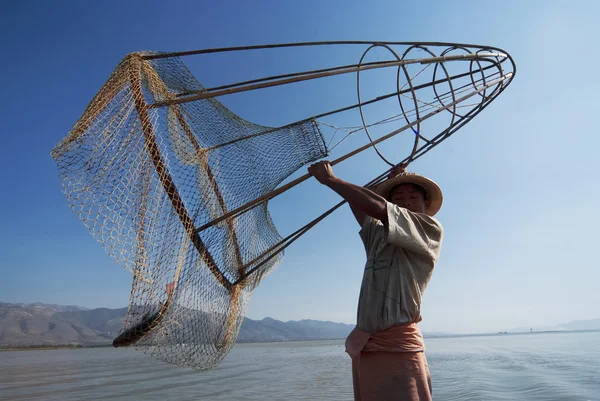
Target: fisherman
[{"x": 402, "y": 241}]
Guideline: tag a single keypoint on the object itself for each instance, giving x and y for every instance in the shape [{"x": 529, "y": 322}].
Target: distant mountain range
[
  {"x": 27, "y": 325},
  {"x": 592, "y": 324}
]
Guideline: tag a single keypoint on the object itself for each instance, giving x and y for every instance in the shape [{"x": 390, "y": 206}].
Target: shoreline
[
  {"x": 430, "y": 337},
  {"x": 52, "y": 347}
]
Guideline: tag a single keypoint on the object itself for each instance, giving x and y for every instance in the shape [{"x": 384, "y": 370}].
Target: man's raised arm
[{"x": 362, "y": 200}]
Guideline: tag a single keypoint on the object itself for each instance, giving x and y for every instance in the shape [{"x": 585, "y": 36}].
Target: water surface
[{"x": 551, "y": 366}]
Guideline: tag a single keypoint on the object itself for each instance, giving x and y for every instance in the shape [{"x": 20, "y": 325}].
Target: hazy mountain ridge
[
  {"x": 589, "y": 324},
  {"x": 25, "y": 325},
  {"x": 40, "y": 324},
  {"x": 269, "y": 329}
]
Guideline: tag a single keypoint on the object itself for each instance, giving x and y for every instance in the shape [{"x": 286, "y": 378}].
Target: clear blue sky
[{"x": 520, "y": 181}]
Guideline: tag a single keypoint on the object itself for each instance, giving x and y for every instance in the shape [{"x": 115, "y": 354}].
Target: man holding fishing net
[{"x": 402, "y": 241}]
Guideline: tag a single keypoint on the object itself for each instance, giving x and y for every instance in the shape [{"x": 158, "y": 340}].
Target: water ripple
[{"x": 551, "y": 367}]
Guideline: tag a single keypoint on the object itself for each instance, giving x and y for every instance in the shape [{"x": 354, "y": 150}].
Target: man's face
[{"x": 410, "y": 197}]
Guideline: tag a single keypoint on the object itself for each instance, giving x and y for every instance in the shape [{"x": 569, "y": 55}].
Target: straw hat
[{"x": 434, "y": 192}]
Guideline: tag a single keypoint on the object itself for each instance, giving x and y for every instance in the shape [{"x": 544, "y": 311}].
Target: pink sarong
[{"x": 389, "y": 365}]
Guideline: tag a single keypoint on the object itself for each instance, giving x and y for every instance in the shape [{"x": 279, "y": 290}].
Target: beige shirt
[{"x": 400, "y": 261}]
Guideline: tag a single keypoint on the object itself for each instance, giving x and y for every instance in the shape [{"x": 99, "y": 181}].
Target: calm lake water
[{"x": 551, "y": 366}]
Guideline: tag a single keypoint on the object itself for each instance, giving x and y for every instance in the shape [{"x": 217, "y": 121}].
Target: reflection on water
[{"x": 552, "y": 366}]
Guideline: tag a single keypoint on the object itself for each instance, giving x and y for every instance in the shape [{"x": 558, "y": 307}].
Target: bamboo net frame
[{"x": 176, "y": 187}]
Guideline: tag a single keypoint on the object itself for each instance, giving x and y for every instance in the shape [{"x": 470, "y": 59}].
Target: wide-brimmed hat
[{"x": 434, "y": 192}]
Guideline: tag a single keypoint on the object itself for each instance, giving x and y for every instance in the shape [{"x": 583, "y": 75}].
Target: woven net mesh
[{"x": 143, "y": 179}]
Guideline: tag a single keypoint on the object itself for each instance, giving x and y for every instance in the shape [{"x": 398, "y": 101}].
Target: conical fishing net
[{"x": 143, "y": 179}]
